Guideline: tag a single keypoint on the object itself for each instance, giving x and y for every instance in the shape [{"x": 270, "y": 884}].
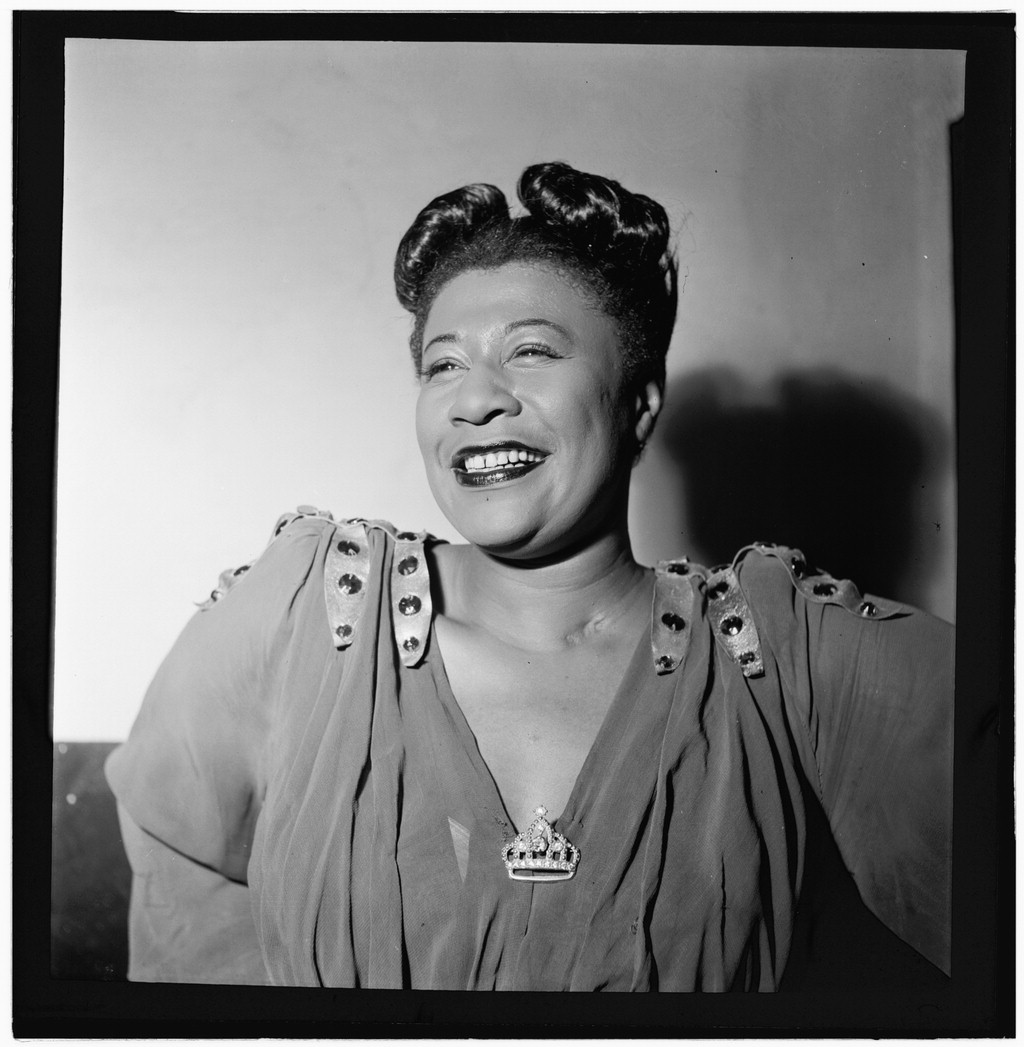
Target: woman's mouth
[{"x": 481, "y": 467}]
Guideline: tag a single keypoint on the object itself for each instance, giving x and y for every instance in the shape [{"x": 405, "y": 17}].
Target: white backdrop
[{"x": 231, "y": 346}]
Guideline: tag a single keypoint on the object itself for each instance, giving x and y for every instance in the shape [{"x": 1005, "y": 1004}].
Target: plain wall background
[{"x": 231, "y": 346}]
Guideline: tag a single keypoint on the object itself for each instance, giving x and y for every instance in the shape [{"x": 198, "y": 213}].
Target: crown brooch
[{"x": 540, "y": 854}]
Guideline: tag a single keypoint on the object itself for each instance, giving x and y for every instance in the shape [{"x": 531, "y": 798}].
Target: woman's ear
[{"x": 648, "y": 406}]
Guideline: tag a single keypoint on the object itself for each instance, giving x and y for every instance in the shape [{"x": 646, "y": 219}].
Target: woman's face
[{"x": 525, "y": 422}]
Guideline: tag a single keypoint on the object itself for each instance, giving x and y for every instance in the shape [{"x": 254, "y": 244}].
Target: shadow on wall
[{"x": 843, "y": 468}]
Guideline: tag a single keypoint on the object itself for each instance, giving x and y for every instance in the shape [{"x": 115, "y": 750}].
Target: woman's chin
[
  {"x": 503, "y": 522},
  {"x": 518, "y": 539},
  {"x": 498, "y": 530},
  {"x": 511, "y": 539}
]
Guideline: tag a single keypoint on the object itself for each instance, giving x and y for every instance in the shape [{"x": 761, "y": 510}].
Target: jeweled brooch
[{"x": 540, "y": 854}]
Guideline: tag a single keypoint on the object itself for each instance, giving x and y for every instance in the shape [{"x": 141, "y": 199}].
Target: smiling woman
[
  {"x": 529, "y": 761},
  {"x": 550, "y": 389}
]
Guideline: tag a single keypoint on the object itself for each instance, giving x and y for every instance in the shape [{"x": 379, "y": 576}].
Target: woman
[{"x": 529, "y": 762}]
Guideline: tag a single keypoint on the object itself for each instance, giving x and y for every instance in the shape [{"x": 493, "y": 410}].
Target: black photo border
[{"x": 979, "y": 999}]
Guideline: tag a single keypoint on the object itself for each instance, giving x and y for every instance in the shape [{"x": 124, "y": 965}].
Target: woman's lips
[
  {"x": 487, "y": 477},
  {"x": 482, "y": 467}
]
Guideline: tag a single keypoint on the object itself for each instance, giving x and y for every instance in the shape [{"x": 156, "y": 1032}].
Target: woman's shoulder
[
  {"x": 348, "y": 566},
  {"x": 768, "y": 571},
  {"x": 763, "y": 594},
  {"x": 276, "y": 557},
  {"x": 297, "y": 537}
]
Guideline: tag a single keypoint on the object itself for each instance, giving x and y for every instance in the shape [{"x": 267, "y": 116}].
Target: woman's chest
[{"x": 535, "y": 717}]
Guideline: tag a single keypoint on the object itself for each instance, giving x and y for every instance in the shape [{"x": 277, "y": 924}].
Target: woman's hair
[{"x": 613, "y": 242}]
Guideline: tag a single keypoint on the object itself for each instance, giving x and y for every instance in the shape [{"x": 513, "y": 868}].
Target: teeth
[{"x": 495, "y": 459}]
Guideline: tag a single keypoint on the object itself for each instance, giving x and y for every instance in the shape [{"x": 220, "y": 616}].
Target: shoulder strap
[
  {"x": 731, "y": 621},
  {"x": 346, "y": 572},
  {"x": 411, "y": 609},
  {"x": 672, "y": 614}
]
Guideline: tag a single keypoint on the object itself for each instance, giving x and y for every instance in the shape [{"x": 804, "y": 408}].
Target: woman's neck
[{"x": 563, "y": 602}]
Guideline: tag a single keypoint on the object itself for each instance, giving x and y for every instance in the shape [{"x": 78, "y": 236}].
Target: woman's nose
[{"x": 483, "y": 393}]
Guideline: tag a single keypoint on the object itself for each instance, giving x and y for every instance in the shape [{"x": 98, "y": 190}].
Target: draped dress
[{"x": 304, "y": 803}]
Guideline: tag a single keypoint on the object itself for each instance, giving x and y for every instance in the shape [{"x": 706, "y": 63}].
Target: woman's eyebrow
[
  {"x": 440, "y": 338},
  {"x": 536, "y": 322}
]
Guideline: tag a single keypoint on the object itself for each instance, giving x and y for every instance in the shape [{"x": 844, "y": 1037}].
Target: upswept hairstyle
[{"x": 613, "y": 242}]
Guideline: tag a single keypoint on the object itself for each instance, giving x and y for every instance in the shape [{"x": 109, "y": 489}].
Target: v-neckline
[{"x": 468, "y": 739}]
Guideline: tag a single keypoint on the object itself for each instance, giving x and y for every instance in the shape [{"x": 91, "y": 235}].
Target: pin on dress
[{"x": 539, "y": 854}]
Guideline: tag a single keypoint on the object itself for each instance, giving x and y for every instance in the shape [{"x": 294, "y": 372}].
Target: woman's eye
[
  {"x": 438, "y": 368},
  {"x": 533, "y": 350}
]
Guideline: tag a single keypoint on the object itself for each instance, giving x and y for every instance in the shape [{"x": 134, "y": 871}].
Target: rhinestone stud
[
  {"x": 673, "y": 621},
  {"x": 665, "y": 661},
  {"x": 406, "y": 536},
  {"x": 409, "y": 604},
  {"x": 349, "y": 583},
  {"x": 867, "y": 609},
  {"x": 348, "y": 548},
  {"x": 732, "y": 626},
  {"x": 411, "y": 644},
  {"x": 344, "y": 631},
  {"x": 825, "y": 589},
  {"x": 408, "y": 565}
]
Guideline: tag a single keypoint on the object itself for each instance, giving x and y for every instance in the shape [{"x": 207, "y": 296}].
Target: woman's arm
[
  {"x": 187, "y": 923},
  {"x": 870, "y": 698},
  {"x": 881, "y": 717},
  {"x": 190, "y": 779}
]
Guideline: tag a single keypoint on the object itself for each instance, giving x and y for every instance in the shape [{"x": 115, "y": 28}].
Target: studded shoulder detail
[
  {"x": 347, "y": 572},
  {"x": 820, "y": 587},
  {"x": 732, "y": 622},
  {"x": 672, "y": 613},
  {"x": 679, "y": 584},
  {"x": 680, "y": 587},
  {"x": 411, "y": 609},
  {"x": 225, "y": 581}
]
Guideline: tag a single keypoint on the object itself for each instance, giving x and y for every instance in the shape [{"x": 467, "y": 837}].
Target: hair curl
[{"x": 614, "y": 242}]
